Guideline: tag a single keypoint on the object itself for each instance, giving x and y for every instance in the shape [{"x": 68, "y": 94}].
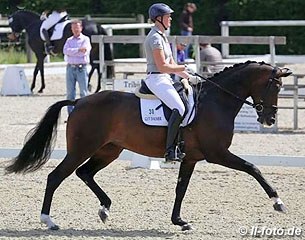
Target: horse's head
[
  {"x": 19, "y": 21},
  {"x": 16, "y": 26},
  {"x": 265, "y": 90}
]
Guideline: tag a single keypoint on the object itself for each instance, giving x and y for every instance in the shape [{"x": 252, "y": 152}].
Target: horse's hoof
[
  {"x": 40, "y": 91},
  {"x": 187, "y": 227},
  {"x": 280, "y": 207},
  {"x": 104, "y": 214},
  {"x": 55, "y": 227}
]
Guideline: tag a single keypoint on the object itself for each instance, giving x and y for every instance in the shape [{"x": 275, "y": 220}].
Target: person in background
[
  {"x": 180, "y": 58},
  {"x": 209, "y": 53},
  {"x": 77, "y": 51},
  {"x": 160, "y": 64},
  {"x": 186, "y": 23},
  {"x": 49, "y": 21},
  {"x": 181, "y": 53}
]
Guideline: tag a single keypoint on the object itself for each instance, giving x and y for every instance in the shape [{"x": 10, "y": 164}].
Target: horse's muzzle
[
  {"x": 267, "y": 116},
  {"x": 12, "y": 36}
]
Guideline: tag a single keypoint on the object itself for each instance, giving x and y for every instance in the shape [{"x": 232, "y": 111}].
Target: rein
[{"x": 259, "y": 107}]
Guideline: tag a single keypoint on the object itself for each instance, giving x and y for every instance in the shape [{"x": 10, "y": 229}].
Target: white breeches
[
  {"x": 161, "y": 85},
  {"x": 52, "y": 19}
]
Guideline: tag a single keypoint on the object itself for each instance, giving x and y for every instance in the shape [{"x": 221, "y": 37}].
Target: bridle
[{"x": 259, "y": 106}]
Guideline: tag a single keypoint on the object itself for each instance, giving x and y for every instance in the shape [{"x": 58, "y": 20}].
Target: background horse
[
  {"x": 31, "y": 22},
  {"x": 103, "y": 124}
]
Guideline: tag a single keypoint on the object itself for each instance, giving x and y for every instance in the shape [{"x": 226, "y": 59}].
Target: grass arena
[{"x": 220, "y": 203}]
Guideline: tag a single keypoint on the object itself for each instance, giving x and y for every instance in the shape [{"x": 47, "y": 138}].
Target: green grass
[{"x": 11, "y": 56}]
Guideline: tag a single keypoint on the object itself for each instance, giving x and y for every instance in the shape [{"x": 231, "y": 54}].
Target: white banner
[{"x": 126, "y": 85}]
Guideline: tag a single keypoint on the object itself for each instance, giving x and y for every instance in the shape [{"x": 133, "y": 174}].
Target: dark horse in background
[
  {"x": 104, "y": 124},
  {"x": 31, "y": 22}
]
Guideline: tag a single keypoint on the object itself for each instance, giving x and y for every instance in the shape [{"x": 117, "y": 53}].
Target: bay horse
[
  {"x": 103, "y": 124},
  {"x": 30, "y": 22}
]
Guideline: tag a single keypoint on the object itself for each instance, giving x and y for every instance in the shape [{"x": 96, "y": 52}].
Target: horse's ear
[{"x": 285, "y": 72}]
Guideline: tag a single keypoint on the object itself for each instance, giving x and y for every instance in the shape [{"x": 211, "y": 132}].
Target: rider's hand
[{"x": 189, "y": 69}]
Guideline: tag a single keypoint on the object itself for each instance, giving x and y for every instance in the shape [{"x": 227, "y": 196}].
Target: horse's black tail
[{"x": 40, "y": 142}]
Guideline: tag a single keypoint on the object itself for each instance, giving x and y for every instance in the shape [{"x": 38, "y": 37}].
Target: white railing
[
  {"x": 225, "y": 28},
  {"x": 195, "y": 40}
]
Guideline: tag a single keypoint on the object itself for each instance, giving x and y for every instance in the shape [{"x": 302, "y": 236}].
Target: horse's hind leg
[
  {"x": 87, "y": 171},
  {"x": 34, "y": 77},
  {"x": 55, "y": 178},
  {"x": 89, "y": 77},
  {"x": 232, "y": 161}
]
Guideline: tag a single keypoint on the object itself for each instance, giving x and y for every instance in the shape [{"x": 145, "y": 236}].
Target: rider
[
  {"x": 48, "y": 22},
  {"x": 160, "y": 64}
]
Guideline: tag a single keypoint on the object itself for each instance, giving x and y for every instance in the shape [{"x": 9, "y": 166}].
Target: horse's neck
[
  {"x": 231, "y": 95},
  {"x": 28, "y": 20}
]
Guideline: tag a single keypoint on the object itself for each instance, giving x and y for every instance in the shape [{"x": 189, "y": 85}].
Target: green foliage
[{"x": 206, "y": 19}]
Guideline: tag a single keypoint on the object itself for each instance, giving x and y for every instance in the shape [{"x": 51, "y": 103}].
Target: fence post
[
  {"x": 174, "y": 47},
  {"x": 102, "y": 61},
  {"x": 272, "y": 49},
  {"x": 197, "y": 53},
  {"x": 295, "y": 100},
  {"x": 225, "y": 33},
  {"x": 141, "y": 32},
  {"x": 28, "y": 50}
]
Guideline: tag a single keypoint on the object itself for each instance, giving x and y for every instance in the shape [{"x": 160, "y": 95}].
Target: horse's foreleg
[
  {"x": 87, "y": 171},
  {"x": 232, "y": 161},
  {"x": 185, "y": 173}
]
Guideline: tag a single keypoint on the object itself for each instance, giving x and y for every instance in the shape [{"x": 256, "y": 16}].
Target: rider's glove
[
  {"x": 189, "y": 69},
  {"x": 194, "y": 79}
]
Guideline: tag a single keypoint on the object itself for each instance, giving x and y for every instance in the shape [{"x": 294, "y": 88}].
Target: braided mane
[{"x": 234, "y": 67}]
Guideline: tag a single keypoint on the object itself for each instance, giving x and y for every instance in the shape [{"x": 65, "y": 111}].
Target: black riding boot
[
  {"x": 172, "y": 151},
  {"x": 48, "y": 46}
]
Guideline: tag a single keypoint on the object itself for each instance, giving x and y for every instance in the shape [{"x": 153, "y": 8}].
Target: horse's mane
[
  {"x": 226, "y": 75},
  {"x": 228, "y": 70},
  {"x": 28, "y": 11}
]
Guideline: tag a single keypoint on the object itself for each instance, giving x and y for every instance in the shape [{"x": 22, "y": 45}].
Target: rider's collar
[{"x": 155, "y": 28}]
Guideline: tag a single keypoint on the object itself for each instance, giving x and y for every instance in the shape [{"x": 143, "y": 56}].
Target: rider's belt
[
  {"x": 77, "y": 65},
  {"x": 153, "y": 73}
]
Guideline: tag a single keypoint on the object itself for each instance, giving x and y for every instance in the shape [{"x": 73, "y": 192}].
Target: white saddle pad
[
  {"x": 58, "y": 31},
  {"x": 155, "y": 117}
]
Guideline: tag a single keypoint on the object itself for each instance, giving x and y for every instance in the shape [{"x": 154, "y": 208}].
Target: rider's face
[
  {"x": 76, "y": 29},
  {"x": 167, "y": 19}
]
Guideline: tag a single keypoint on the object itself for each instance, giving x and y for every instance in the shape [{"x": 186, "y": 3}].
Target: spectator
[
  {"x": 210, "y": 54},
  {"x": 77, "y": 50},
  {"x": 181, "y": 53},
  {"x": 180, "y": 59},
  {"x": 186, "y": 23}
]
